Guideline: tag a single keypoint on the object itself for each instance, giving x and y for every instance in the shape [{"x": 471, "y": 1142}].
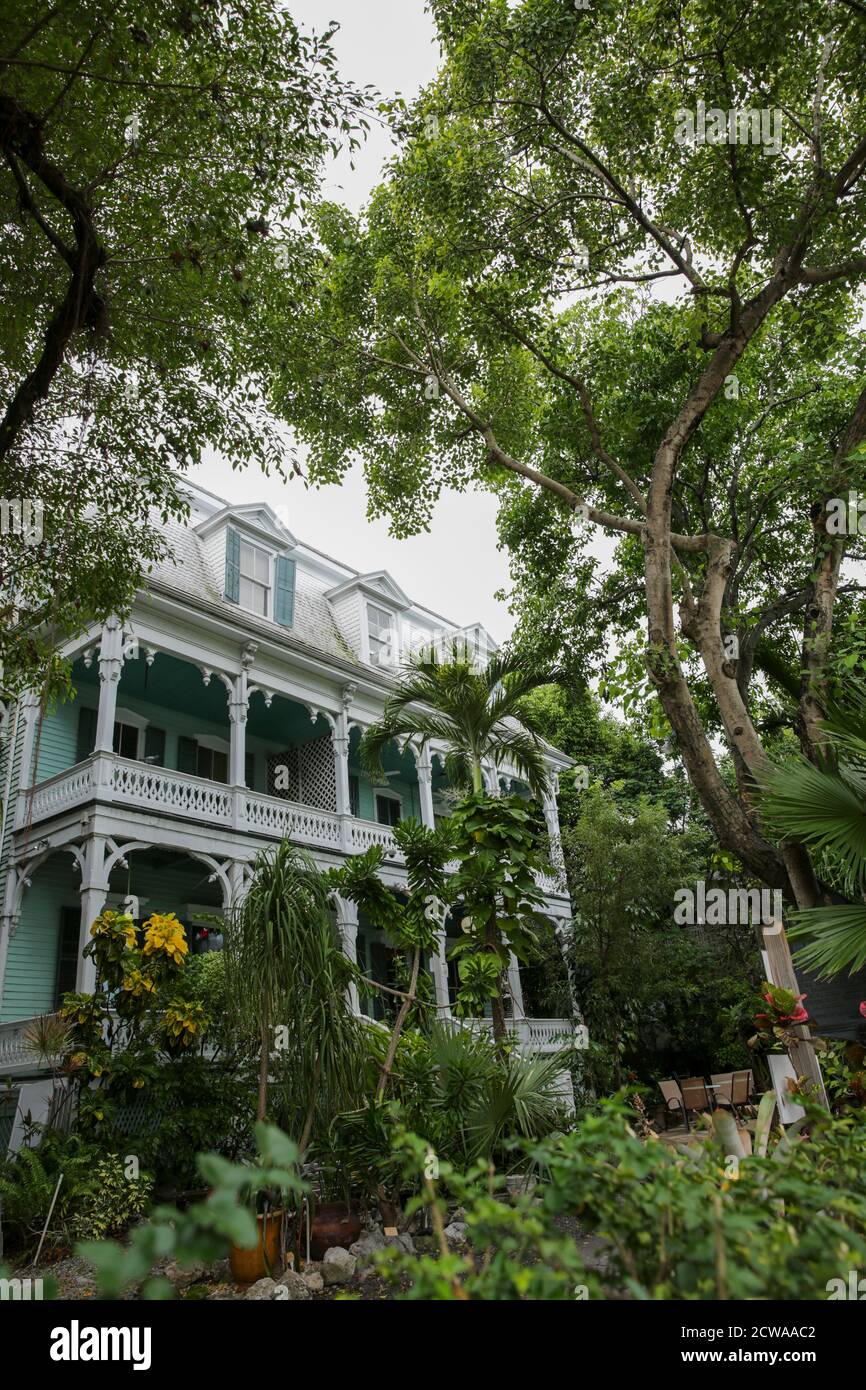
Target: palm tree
[
  {"x": 285, "y": 970},
  {"x": 473, "y": 712},
  {"x": 823, "y": 806}
]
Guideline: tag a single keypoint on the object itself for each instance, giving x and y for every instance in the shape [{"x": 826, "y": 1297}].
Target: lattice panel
[
  {"x": 283, "y": 775},
  {"x": 318, "y": 783}
]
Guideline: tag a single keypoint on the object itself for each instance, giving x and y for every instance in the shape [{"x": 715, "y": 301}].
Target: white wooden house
[{"x": 221, "y": 716}]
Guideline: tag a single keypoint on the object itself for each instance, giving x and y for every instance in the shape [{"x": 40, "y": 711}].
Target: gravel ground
[{"x": 75, "y": 1281}]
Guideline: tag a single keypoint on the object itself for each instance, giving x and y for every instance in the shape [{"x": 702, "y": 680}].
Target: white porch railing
[
  {"x": 540, "y": 1034},
  {"x": 15, "y": 1054},
  {"x": 120, "y": 781}
]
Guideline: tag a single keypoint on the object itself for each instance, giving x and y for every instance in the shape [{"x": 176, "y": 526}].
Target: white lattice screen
[{"x": 305, "y": 774}]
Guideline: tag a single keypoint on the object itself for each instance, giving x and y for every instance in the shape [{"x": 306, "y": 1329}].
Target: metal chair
[
  {"x": 673, "y": 1099},
  {"x": 722, "y": 1085},
  {"x": 695, "y": 1093},
  {"x": 742, "y": 1086}
]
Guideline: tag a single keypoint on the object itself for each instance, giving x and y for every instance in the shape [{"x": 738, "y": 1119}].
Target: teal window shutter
[
  {"x": 284, "y": 604},
  {"x": 154, "y": 746},
  {"x": 187, "y": 755},
  {"x": 86, "y": 733},
  {"x": 233, "y": 565}
]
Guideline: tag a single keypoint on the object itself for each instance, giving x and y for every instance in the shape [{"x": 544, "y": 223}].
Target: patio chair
[
  {"x": 673, "y": 1099},
  {"x": 742, "y": 1085},
  {"x": 695, "y": 1093},
  {"x": 722, "y": 1083}
]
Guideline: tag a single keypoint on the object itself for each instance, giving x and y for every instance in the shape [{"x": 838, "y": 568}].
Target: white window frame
[
  {"x": 132, "y": 720},
  {"x": 394, "y": 627},
  {"x": 269, "y": 589},
  {"x": 386, "y": 796}
]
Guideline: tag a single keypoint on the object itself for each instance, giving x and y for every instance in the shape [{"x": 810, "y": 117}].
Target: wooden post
[{"x": 804, "y": 1058}]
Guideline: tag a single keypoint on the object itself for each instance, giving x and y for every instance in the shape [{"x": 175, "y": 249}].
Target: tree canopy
[
  {"x": 559, "y": 295},
  {"x": 158, "y": 164}
]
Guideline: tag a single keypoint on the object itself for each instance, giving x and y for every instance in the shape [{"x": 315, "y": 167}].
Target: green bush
[
  {"x": 111, "y": 1202},
  {"x": 684, "y": 1225}
]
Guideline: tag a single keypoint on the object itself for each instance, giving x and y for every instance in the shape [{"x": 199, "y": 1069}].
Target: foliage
[
  {"x": 471, "y": 710},
  {"x": 98, "y": 1194},
  {"x": 781, "y": 1010},
  {"x": 674, "y": 1225},
  {"x": 411, "y": 918},
  {"x": 652, "y": 995},
  {"x": 490, "y": 322},
  {"x": 452, "y": 1086},
  {"x": 158, "y": 166},
  {"x": 823, "y": 805},
  {"x": 204, "y": 1230},
  {"x": 498, "y": 848},
  {"x": 288, "y": 981},
  {"x": 113, "y": 1203},
  {"x": 139, "y": 1047}
]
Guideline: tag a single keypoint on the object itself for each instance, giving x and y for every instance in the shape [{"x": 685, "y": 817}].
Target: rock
[
  {"x": 313, "y": 1280},
  {"x": 456, "y": 1233},
  {"x": 292, "y": 1287},
  {"x": 458, "y": 1215},
  {"x": 403, "y": 1242},
  {"x": 261, "y": 1289},
  {"x": 426, "y": 1245},
  {"x": 368, "y": 1242},
  {"x": 338, "y": 1266}
]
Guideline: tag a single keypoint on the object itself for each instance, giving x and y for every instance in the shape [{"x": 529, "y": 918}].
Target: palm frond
[
  {"x": 821, "y": 807},
  {"x": 835, "y": 938}
]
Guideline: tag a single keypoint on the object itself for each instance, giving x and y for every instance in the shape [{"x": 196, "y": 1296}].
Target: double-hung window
[
  {"x": 380, "y": 632},
  {"x": 255, "y": 578}
]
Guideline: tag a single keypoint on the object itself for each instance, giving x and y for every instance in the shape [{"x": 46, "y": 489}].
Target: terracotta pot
[
  {"x": 334, "y": 1223},
  {"x": 263, "y": 1259}
]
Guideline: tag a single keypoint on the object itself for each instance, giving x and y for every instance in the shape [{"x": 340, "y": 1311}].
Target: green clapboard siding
[
  {"x": 31, "y": 966},
  {"x": 58, "y": 740}
]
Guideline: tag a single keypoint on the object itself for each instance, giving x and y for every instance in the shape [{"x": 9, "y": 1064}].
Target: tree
[
  {"x": 157, "y": 165},
  {"x": 488, "y": 324},
  {"x": 473, "y": 711},
  {"x": 287, "y": 978},
  {"x": 408, "y": 917}
]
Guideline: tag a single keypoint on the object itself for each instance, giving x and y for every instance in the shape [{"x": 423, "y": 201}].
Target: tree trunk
[
  {"x": 264, "y": 1067},
  {"x": 402, "y": 1014}
]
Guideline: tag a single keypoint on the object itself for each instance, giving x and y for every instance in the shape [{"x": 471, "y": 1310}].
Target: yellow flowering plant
[{"x": 165, "y": 935}]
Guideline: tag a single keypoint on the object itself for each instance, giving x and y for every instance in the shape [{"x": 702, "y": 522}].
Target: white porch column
[
  {"x": 515, "y": 987},
  {"x": 110, "y": 667},
  {"x": 15, "y": 882},
  {"x": 30, "y": 703},
  {"x": 551, "y": 816},
  {"x": 94, "y": 891},
  {"x": 425, "y": 788},
  {"x": 340, "y": 746},
  {"x": 347, "y": 926},
  {"x": 438, "y": 961},
  {"x": 239, "y": 702}
]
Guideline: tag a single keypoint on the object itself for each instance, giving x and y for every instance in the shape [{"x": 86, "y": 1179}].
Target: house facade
[{"x": 221, "y": 716}]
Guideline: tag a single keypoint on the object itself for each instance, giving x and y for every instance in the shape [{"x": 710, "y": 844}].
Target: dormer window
[
  {"x": 255, "y": 578},
  {"x": 381, "y": 636},
  {"x": 258, "y": 579}
]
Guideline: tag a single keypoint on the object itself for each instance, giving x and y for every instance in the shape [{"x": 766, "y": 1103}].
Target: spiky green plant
[
  {"x": 288, "y": 978},
  {"x": 474, "y": 712},
  {"x": 824, "y": 808}
]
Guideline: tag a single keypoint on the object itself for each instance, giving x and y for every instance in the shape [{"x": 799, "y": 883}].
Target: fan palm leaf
[{"x": 474, "y": 712}]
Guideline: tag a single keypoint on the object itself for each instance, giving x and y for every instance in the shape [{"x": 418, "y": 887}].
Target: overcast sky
[{"x": 455, "y": 568}]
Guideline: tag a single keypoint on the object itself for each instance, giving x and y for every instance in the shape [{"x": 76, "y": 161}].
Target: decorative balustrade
[
  {"x": 15, "y": 1052},
  {"x": 271, "y": 816},
  {"x": 120, "y": 781},
  {"x": 157, "y": 789},
  {"x": 540, "y": 1034}
]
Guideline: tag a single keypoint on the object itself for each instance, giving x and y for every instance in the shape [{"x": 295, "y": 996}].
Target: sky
[{"x": 456, "y": 567}]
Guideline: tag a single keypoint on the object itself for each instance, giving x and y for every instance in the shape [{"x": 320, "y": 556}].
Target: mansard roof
[{"x": 379, "y": 584}]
